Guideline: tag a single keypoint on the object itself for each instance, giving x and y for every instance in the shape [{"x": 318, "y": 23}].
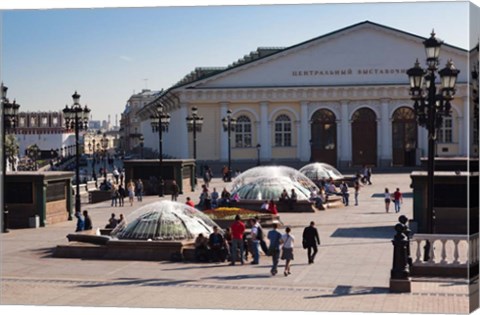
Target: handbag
[{"x": 304, "y": 244}]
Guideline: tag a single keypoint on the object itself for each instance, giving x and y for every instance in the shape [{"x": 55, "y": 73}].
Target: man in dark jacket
[
  {"x": 216, "y": 244},
  {"x": 310, "y": 241}
]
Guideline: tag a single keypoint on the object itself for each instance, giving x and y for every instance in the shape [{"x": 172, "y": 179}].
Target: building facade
[
  {"x": 130, "y": 130},
  {"x": 46, "y": 130},
  {"x": 341, "y": 98}
]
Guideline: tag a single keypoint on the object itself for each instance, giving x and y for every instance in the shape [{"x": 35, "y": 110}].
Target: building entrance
[
  {"x": 364, "y": 137},
  {"x": 324, "y": 137}
]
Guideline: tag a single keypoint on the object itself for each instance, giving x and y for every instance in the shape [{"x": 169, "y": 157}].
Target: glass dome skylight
[
  {"x": 319, "y": 171},
  {"x": 164, "y": 220},
  {"x": 268, "y": 182}
]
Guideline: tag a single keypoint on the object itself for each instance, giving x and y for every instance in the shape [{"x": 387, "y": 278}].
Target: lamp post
[
  {"x": 10, "y": 119},
  {"x": 229, "y": 124},
  {"x": 258, "y": 153},
  {"x": 76, "y": 118},
  {"x": 194, "y": 125},
  {"x": 160, "y": 122},
  {"x": 104, "y": 142},
  {"x": 142, "y": 139},
  {"x": 430, "y": 106}
]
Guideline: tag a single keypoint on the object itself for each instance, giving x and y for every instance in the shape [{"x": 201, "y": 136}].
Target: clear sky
[{"x": 106, "y": 54}]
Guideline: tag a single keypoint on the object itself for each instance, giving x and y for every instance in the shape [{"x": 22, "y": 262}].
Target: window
[
  {"x": 445, "y": 133},
  {"x": 283, "y": 131},
  {"x": 243, "y": 132}
]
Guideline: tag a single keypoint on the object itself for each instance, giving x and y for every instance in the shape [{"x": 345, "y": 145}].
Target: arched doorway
[
  {"x": 324, "y": 137},
  {"x": 364, "y": 137},
  {"x": 404, "y": 137}
]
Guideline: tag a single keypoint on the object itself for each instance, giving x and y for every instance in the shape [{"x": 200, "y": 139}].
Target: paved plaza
[{"x": 350, "y": 274}]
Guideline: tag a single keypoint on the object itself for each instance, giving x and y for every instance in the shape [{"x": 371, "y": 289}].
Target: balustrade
[{"x": 445, "y": 250}]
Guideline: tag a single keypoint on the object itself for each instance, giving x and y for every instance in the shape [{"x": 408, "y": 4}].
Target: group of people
[
  {"x": 396, "y": 197},
  {"x": 113, "y": 222},
  {"x": 84, "y": 222},
  {"x": 118, "y": 192},
  {"x": 211, "y": 200},
  {"x": 236, "y": 244}
]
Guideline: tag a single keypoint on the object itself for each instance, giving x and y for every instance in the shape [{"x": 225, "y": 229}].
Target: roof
[{"x": 264, "y": 52}]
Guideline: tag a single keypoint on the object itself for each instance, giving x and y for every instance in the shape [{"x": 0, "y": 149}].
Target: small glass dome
[
  {"x": 268, "y": 182},
  {"x": 319, "y": 171},
  {"x": 164, "y": 220}
]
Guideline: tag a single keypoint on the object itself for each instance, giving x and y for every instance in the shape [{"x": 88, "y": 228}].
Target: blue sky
[{"x": 106, "y": 54}]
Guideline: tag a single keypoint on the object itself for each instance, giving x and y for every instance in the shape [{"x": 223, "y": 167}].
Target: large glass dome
[
  {"x": 164, "y": 220},
  {"x": 268, "y": 182},
  {"x": 319, "y": 171}
]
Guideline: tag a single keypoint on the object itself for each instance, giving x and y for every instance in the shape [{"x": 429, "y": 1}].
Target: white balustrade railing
[{"x": 445, "y": 250}]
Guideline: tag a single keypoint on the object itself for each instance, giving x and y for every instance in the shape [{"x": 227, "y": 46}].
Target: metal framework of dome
[
  {"x": 268, "y": 182},
  {"x": 164, "y": 220},
  {"x": 319, "y": 171}
]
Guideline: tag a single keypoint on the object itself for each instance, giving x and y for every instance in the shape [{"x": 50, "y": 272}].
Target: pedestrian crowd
[{"x": 236, "y": 244}]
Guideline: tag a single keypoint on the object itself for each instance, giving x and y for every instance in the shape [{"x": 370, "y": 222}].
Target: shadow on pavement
[
  {"x": 238, "y": 277},
  {"x": 366, "y": 232},
  {"x": 46, "y": 252},
  {"x": 136, "y": 282},
  {"x": 344, "y": 290}
]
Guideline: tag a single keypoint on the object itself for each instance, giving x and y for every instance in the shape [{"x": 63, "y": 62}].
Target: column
[
  {"x": 265, "y": 136},
  {"x": 385, "y": 134},
  {"x": 465, "y": 137},
  {"x": 223, "y": 134},
  {"x": 303, "y": 147},
  {"x": 345, "y": 155},
  {"x": 180, "y": 135}
]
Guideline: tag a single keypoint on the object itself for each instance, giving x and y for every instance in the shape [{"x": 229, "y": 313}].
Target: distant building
[
  {"x": 130, "y": 131},
  {"x": 46, "y": 130}
]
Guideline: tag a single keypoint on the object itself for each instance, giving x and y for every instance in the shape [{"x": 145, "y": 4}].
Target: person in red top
[
  {"x": 190, "y": 202},
  {"x": 238, "y": 228},
  {"x": 272, "y": 207},
  {"x": 397, "y": 199}
]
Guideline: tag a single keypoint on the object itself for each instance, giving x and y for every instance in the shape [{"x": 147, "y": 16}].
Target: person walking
[
  {"x": 175, "y": 190},
  {"x": 131, "y": 192},
  {"x": 345, "y": 193},
  {"x": 356, "y": 187},
  {"x": 237, "y": 228},
  {"x": 274, "y": 238},
  {"x": 114, "y": 195},
  {"x": 310, "y": 241},
  {"x": 139, "y": 190},
  {"x": 397, "y": 200},
  {"x": 388, "y": 198},
  {"x": 255, "y": 238},
  {"x": 287, "y": 250},
  {"x": 121, "y": 196}
]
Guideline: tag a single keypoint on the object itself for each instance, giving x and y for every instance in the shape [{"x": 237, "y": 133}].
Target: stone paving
[{"x": 350, "y": 274}]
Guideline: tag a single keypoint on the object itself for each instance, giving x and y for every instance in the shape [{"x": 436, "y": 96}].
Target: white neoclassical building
[{"x": 341, "y": 98}]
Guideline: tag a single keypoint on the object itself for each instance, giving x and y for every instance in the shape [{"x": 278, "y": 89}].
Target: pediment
[{"x": 363, "y": 54}]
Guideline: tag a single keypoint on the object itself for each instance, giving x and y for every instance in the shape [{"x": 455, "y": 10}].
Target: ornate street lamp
[
  {"x": 229, "y": 124},
  {"x": 76, "y": 118},
  {"x": 430, "y": 107},
  {"x": 104, "y": 142},
  {"x": 10, "y": 120},
  {"x": 160, "y": 122},
  {"x": 258, "y": 153},
  {"x": 194, "y": 125}
]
